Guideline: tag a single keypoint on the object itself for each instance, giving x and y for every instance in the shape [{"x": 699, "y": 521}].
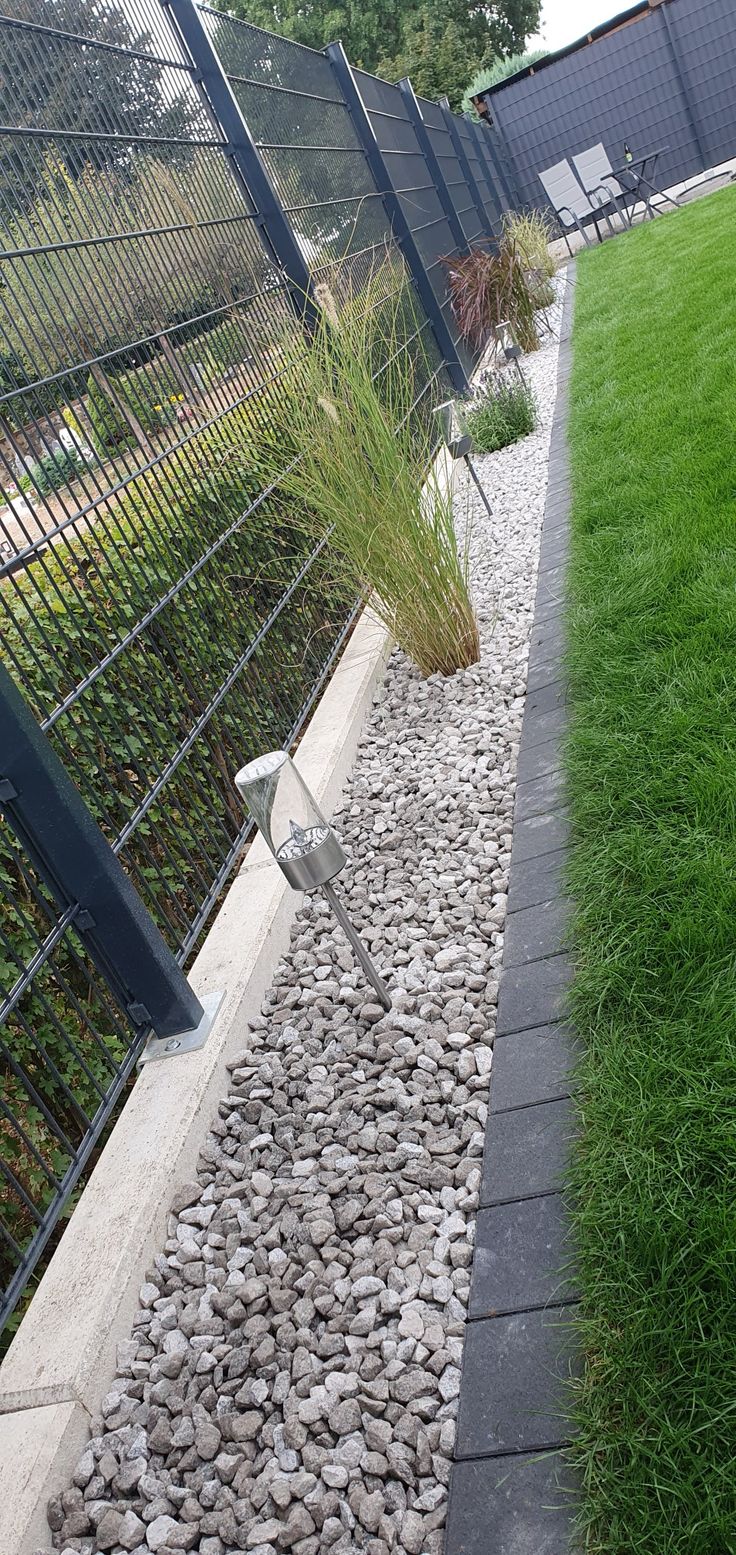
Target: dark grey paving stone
[
  {"x": 514, "y": 1373},
  {"x": 545, "y": 698},
  {"x": 542, "y": 658},
  {"x": 533, "y": 994},
  {"x": 526, "y": 1152},
  {"x": 550, "y": 558},
  {"x": 536, "y": 760},
  {"x": 551, "y": 587},
  {"x": 546, "y": 639},
  {"x": 539, "y": 795},
  {"x": 545, "y": 672},
  {"x": 510, "y": 1506},
  {"x": 535, "y": 932},
  {"x": 539, "y": 834},
  {"x": 554, "y": 549},
  {"x": 531, "y": 1066},
  {"x": 557, "y": 509},
  {"x": 538, "y": 727},
  {"x": 536, "y": 880},
  {"x": 546, "y": 610},
  {"x": 523, "y": 1257},
  {"x": 557, "y": 523}
]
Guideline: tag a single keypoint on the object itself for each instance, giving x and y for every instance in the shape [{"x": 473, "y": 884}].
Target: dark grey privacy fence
[
  {"x": 176, "y": 188},
  {"x": 661, "y": 75}
]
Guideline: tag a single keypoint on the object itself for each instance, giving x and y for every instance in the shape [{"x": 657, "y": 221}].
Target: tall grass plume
[{"x": 363, "y": 471}]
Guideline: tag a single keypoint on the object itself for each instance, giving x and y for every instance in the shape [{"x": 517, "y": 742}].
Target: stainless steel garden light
[
  {"x": 304, "y": 845},
  {"x": 508, "y": 346},
  {"x": 458, "y": 441}
]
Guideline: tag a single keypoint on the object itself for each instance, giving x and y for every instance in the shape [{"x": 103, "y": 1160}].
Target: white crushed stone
[{"x": 292, "y": 1379}]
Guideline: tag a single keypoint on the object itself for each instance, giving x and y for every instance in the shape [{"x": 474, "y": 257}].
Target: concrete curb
[
  {"x": 511, "y": 1488},
  {"x": 63, "y": 1358}
]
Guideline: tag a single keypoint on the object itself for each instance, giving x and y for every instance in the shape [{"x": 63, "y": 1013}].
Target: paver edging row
[{"x": 510, "y": 1486}]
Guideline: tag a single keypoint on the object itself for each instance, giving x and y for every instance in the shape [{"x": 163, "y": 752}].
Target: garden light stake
[
  {"x": 304, "y": 845},
  {"x": 459, "y": 443}
]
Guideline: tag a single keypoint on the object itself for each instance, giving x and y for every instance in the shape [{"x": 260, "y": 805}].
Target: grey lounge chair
[
  {"x": 572, "y": 205},
  {"x": 594, "y": 170}
]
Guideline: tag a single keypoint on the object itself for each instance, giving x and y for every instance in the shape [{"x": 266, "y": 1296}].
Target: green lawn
[{"x": 652, "y": 766}]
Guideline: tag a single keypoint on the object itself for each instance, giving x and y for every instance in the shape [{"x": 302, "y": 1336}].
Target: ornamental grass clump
[
  {"x": 362, "y": 474},
  {"x": 532, "y": 232},
  {"x": 487, "y": 288},
  {"x": 506, "y": 413}
]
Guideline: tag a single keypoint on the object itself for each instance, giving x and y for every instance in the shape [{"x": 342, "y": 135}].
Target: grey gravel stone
[
  {"x": 131, "y": 1533},
  {"x": 160, "y": 1532},
  {"x": 107, "y": 1532}
]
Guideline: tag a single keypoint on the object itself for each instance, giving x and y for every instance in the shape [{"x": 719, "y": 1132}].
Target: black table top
[{"x": 640, "y": 162}]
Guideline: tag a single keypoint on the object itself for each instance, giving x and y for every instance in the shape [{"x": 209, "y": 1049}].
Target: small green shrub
[
  {"x": 219, "y": 349},
  {"x": 507, "y": 412},
  {"x": 50, "y": 473},
  {"x": 151, "y": 395}
]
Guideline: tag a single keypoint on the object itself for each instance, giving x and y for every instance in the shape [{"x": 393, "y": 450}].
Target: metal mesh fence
[
  {"x": 417, "y": 192},
  {"x": 451, "y": 170},
  {"x": 164, "y": 614}
]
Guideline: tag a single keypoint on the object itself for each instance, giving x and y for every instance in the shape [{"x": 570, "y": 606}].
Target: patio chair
[
  {"x": 594, "y": 170},
  {"x": 571, "y": 204}
]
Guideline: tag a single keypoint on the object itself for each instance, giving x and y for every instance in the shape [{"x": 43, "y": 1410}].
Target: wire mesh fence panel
[
  {"x": 308, "y": 142},
  {"x": 305, "y": 133},
  {"x": 451, "y": 170},
  {"x": 479, "y": 171},
  {"x": 164, "y": 612},
  {"x": 489, "y": 182},
  {"x": 415, "y": 189}
]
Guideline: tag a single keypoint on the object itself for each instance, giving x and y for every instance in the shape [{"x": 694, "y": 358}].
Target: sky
[{"x": 565, "y": 20}]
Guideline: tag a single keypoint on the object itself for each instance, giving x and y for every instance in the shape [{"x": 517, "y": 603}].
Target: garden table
[{"x": 641, "y": 173}]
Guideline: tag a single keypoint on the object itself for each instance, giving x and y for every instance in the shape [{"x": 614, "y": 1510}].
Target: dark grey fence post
[
  {"x": 430, "y": 157},
  {"x": 392, "y": 206},
  {"x": 688, "y": 103},
  {"x": 245, "y": 155},
  {"x": 467, "y": 170},
  {"x": 66, "y": 846}
]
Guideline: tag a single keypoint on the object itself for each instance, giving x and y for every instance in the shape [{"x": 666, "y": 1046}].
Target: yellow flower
[
  {"x": 180, "y": 397},
  {"x": 158, "y": 407}
]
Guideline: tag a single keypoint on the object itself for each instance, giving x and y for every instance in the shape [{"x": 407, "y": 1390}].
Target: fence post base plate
[{"x": 185, "y": 1041}]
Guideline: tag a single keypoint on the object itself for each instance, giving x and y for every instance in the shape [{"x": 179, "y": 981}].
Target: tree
[
  {"x": 436, "y": 42},
  {"x": 51, "y": 84}
]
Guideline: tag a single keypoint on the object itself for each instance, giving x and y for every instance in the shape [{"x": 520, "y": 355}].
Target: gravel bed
[{"x": 292, "y": 1378}]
